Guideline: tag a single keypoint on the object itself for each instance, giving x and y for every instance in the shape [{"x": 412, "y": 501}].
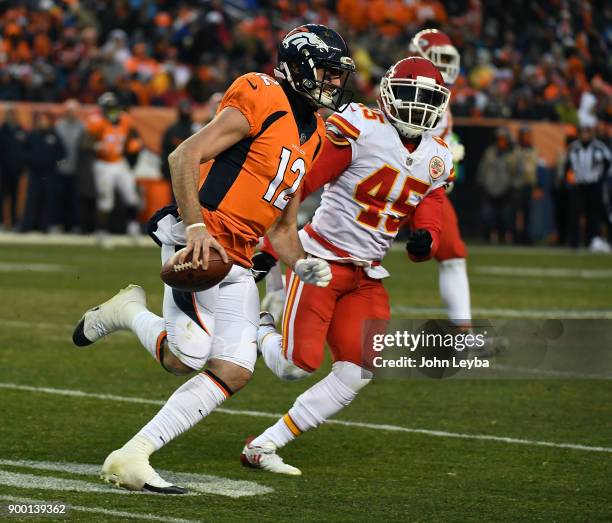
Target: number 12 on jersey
[
  {"x": 372, "y": 193},
  {"x": 298, "y": 166}
]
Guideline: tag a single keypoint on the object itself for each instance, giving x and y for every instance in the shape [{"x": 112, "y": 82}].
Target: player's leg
[
  {"x": 367, "y": 306},
  {"x": 232, "y": 354},
  {"x": 126, "y": 185},
  {"x": 297, "y": 350},
  {"x": 104, "y": 180},
  {"x": 452, "y": 269},
  {"x": 179, "y": 341},
  {"x": 274, "y": 299}
]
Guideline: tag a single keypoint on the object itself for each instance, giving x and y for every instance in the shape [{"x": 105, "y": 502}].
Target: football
[{"x": 185, "y": 277}]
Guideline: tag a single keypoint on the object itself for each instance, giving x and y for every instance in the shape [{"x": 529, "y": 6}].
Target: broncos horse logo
[{"x": 300, "y": 38}]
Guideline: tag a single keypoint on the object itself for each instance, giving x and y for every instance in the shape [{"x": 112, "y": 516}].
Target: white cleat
[
  {"x": 110, "y": 316},
  {"x": 131, "y": 470},
  {"x": 266, "y": 319},
  {"x": 264, "y": 457}
]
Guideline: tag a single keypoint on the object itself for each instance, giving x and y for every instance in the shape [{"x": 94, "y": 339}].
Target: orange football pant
[{"x": 344, "y": 313}]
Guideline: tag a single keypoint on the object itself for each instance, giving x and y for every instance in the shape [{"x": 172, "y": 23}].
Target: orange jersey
[
  {"x": 110, "y": 137},
  {"x": 244, "y": 189}
]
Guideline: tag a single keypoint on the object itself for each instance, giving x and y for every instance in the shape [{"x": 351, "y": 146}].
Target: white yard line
[
  {"x": 475, "y": 250},
  {"x": 99, "y": 510},
  {"x": 494, "y": 312},
  {"x": 562, "y": 374},
  {"x": 119, "y": 240},
  {"x": 543, "y": 272},
  {"x": 270, "y": 415},
  {"x": 35, "y": 238},
  {"x": 417, "y": 312},
  {"x": 195, "y": 482},
  {"x": 32, "y": 267},
  {"x": 22, "y": 480}
]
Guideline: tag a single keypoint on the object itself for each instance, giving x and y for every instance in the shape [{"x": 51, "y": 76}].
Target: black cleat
[{"x": 172, "y": 489}]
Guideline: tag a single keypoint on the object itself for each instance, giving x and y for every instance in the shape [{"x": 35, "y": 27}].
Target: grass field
[{"x": 463, "y": 471}]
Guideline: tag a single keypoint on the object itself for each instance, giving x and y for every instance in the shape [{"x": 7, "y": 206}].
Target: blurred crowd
[
  {"x": 513, "y": 183},
  {"x": 545, "y": 60}
]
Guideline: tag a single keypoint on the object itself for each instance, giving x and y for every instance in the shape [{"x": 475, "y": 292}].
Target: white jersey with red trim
[
  {"x": 361, "y": 210},
  {"x": 444, "y": 130},
  {"x": 445, "y": 126}
]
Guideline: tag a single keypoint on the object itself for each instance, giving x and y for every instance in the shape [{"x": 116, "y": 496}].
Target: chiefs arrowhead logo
[{"x": 436, "y": 167}]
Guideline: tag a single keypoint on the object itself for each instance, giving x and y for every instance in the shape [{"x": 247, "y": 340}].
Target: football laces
[{"x": 178, "y": 267}]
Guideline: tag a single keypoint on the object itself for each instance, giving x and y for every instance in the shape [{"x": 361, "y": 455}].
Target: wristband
[{"x": 194, "y": 225}]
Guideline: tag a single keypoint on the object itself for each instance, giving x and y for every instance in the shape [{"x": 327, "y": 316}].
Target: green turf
[{"x": 350, "y": 473}]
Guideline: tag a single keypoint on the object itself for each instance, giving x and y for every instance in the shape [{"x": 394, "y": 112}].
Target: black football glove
[
  {"x": 262, "y": 263},
  {"x": 419, "y": 243}
]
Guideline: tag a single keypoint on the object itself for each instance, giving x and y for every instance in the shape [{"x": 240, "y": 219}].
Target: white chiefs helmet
[
  {"x": 437, "y": 47},
  {"x": 413, "y": 96}
]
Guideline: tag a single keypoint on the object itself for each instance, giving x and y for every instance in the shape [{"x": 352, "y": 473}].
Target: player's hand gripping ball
[{"x": 185, "y": 277}]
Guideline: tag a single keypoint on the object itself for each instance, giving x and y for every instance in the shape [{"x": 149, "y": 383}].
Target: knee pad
[{"x": 352, "y": 375}]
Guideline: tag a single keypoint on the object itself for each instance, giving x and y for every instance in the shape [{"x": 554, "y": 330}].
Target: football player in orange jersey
[
  {"x": 255, "y": 153},
  {"x": 115, "y": 141}
]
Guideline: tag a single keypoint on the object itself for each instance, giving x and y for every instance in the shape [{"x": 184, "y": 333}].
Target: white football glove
[
  {"x": 314, "y": 271},
  {"x": 458, "y": 151}
]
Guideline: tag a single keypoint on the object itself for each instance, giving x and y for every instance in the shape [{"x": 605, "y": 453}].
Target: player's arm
[
  {"x": 332, "y": 161},
  {"x": 226, "y": 129},
  {"x": 132, "y": 146},
  {"x": 285, "y": 240},
  {"x": 423, "y": 242}
]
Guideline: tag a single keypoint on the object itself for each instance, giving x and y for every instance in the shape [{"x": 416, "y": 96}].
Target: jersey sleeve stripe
[
  {"x": 348, "y": 129},
  {"x": 337, "y": 139},
  {"x": 440, "y": 141}
]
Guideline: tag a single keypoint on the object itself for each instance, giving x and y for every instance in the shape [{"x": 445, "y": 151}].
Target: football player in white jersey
[
  {"x": 451, "y": 255},
  {"x": 379, "y": 167}
]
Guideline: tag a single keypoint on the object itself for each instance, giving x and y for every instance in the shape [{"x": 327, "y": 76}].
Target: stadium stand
[{"x": 536, "y": 61}]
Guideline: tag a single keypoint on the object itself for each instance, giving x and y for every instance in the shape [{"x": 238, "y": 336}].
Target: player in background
[
  {"x": 452, "y": 253},
  {"x": 380, "y": 167},
  {"x": 256, "y": 150},
  {"x": 116, "y": 144}
]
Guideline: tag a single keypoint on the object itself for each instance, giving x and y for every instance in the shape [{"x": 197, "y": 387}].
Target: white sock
[
  {"x": 190, "y": 403},
  {"x": 270, "y": 343},
  {"x": 313, "y": 407},
  {"x": 455, "y": 290},
  {"x": 140, "y": 444},
  {"x": 150, "y": 329}
]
